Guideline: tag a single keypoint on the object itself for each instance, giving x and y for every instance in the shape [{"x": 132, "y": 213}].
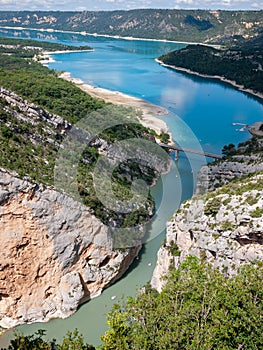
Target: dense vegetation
[
  {"x": 23, "y": 148},
  {"x": 252, "y": 146},
  {"x": 72, "y": 341},
  {"x": 180, "y": 25},
  {"x": 41, "y": 86},
  {"x": 29, "y": 48},
  {"x": 198, "y": 308},
  {"x": 242, "y": 64}
]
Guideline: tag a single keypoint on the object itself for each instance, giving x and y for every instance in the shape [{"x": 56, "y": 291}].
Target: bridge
[{"x": 189, "y": 150}]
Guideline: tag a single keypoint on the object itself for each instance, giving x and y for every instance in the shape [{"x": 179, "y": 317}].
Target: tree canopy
[{"x": 198, "y": 308}]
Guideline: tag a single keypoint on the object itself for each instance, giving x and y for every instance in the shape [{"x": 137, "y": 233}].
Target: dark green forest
[
  {"x": 241, "y": 64},
  {"x": 29, "y": 48}
]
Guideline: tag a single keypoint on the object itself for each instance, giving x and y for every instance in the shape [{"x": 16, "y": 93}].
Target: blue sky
[{"x": 96, "y": 5}]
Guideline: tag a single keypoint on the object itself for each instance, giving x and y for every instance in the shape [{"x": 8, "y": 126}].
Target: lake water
[{"x": 201, "y": 113}]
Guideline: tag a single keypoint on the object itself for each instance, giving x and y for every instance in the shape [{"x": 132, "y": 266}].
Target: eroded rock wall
[{"x": 54, "y": 253}]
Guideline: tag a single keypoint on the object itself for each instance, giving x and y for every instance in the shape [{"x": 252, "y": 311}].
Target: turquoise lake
[{"x": 201, "y": 113}]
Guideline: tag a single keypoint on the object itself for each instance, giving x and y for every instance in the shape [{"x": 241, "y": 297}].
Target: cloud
[
  {"x": 81, "y": 8},
  {"x": 256, "y": 5},
  {"x": 215, "y": 4}
]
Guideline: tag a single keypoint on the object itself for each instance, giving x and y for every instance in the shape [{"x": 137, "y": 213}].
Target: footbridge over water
[{"x": 178, "y": 149}]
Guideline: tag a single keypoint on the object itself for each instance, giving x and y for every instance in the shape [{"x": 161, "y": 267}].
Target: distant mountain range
[{"x": 181, "y": 25}]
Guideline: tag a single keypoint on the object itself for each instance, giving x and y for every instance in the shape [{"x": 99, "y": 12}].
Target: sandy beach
[
  {"x": 148, "y": 112},
  {"x": 218, "y": 77}
]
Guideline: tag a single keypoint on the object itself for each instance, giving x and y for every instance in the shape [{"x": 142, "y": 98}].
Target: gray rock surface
[{"x": 224, "y": 227}]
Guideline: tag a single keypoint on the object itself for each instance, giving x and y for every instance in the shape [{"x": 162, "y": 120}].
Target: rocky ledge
[
  {"x": 33, "y": 114},
  {"x": 55, "y": 254},
  {"x": 225, "y": 227}
]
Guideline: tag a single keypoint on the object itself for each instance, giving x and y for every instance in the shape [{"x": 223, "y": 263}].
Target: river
[{"x": 201, "y": 113}]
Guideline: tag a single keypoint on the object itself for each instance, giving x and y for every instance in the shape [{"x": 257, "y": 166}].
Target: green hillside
[{"x": 242, "y": 63}]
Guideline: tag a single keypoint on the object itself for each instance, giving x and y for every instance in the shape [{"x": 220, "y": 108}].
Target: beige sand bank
[{"x": 148, "y": 112}]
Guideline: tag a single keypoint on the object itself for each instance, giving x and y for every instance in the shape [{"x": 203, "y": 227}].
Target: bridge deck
[{"x": 189, "y": 150}]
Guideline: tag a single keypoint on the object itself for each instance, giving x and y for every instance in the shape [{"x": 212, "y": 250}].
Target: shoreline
[
  {"x": 147, "y": 110},
  {"x": 216, "y": 77},
  {"x": 66, "y": 51},
  {"x": 45, "y": 57},
  {"x": 84, "y": 33}
]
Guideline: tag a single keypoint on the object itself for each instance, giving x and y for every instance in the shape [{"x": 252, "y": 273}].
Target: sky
[{"x": 95, "y": 5}]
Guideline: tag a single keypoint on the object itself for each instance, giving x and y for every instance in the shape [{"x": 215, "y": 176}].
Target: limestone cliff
[
  {"x": 223, "y": 226},
  {"x": 55, "y": 254}
]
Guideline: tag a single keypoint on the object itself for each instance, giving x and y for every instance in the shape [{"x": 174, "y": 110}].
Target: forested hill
[
  {"x": 23, "y": 48},
  {"x": 181, "y": 25},
  {"x": 241, "y": 63}
]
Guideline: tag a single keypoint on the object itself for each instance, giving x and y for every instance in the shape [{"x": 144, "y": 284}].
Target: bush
[
  {"x": 72, "y": 341},
  {"x": 197, "y": 309},
  {"x": 212, "y": 206}
]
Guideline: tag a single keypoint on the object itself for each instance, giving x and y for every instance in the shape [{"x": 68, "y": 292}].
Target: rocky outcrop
[
  {"x": 247, "y": 159},
  {"x": 55, "y": 254},
  {"x": 213, "y": 176},
  {"x": 33, "y": 114},
  {"x": 224, "y": 227}
]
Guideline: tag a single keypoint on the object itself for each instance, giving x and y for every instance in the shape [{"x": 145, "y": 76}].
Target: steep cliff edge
[
  {"x": 224, "y": 226},
  {"x": 55, "y": 254}
]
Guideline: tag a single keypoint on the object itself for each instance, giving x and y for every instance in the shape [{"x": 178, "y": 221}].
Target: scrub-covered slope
[{"x": 180, "y": 25}]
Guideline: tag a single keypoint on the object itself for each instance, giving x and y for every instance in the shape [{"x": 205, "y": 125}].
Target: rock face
[
  {"x": 210, "y": 177},
  {"x": 55, "y": 254},
  {"x": 32, "y": 113},
  {"x": 225, "y": 227},
  {"x": 247, "y": 160}
]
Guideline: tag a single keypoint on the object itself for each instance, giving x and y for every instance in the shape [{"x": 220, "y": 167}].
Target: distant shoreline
[
  {"x": 45, "y": 56},
  {"x": 84, "y": 33},
  {"x": 66, "y": 51},
  {"x": 216, "y": 77}
]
